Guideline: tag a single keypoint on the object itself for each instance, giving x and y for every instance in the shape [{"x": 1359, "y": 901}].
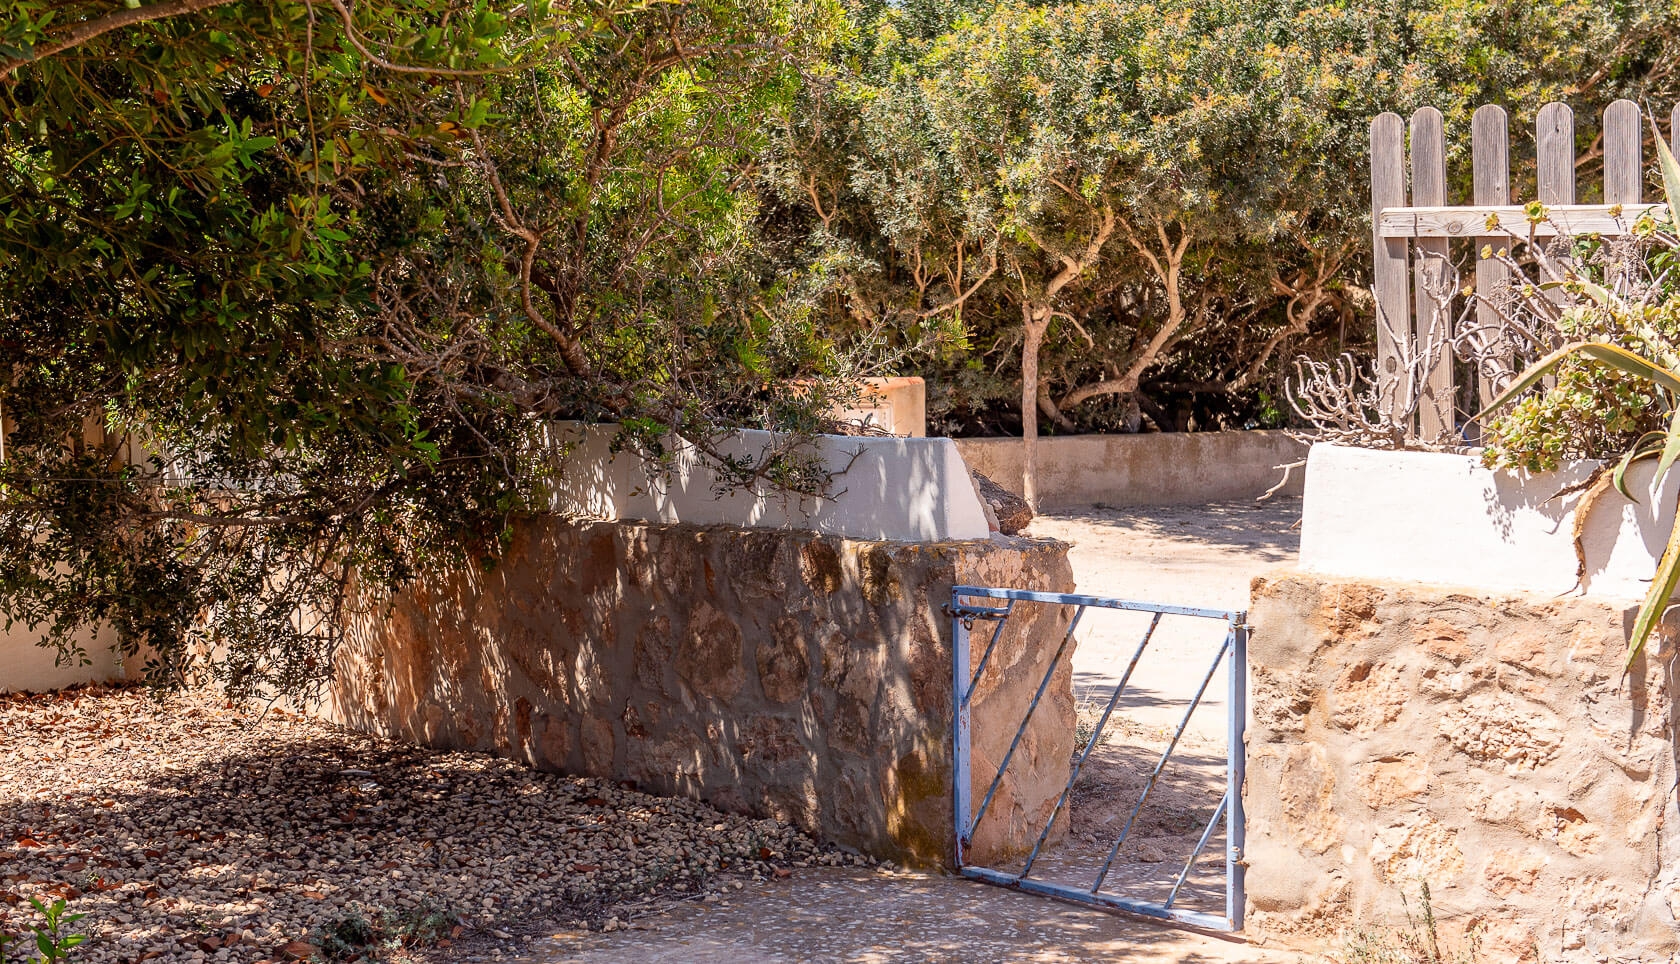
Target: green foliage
[
  {"x": 49, "y": 941},
  {"x": 362, "y": 935},
  {"x": 1621, "y": 384},
  {"x": 286, "y": 287},
  {"x": 952, "y": 145}
]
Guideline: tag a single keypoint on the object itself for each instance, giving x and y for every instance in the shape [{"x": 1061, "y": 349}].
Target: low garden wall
[
  {"x": 1158, "y": 468},
  {"x": 1485, "y": 744},
  {"x": 776, "y": 672}
]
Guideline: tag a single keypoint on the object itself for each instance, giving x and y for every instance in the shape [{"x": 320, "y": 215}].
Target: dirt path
[
  {"x": 880, "y": 917},
  {"x": 1201, "y": 556}
]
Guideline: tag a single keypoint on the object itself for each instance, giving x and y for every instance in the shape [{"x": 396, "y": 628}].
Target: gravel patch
[{"x": 197, "y": 830}]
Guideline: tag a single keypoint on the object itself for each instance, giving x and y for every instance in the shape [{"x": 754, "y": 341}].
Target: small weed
[
  {"x": 1087, "y": 714},
  {"x": 1419, "y": 943},
  {"x": 359, "y": 935},
  {"x": 49, "y": 941}
]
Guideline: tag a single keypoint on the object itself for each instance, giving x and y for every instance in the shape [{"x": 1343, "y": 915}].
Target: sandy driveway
[{"x": 1201, "y": 556}]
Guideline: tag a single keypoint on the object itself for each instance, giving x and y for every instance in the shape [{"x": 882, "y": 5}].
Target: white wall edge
[
  {"x": 885, "y": 490},
  {"x": 1446, "y": 519}
]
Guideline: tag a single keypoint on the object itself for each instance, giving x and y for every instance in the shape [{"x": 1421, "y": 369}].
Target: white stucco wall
[
  {"x": 1156, "y": 468},
  {"x": 1442, "y": 518},
  {"x": 26, "y": 666},
  {"x": 887, "y": 489}
]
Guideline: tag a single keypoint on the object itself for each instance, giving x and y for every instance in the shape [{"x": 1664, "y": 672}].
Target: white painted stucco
[
  {"x": 886, "y": 489},
  {"x": 1444, "y": 518},
  {"x": 26, "y": 666},
  {"x": 1154, "y": 468}
]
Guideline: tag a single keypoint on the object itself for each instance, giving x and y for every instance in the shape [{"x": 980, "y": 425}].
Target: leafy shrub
[
  {"x": 1619, "y": 373},
  {"x": 364, "y": 935}
]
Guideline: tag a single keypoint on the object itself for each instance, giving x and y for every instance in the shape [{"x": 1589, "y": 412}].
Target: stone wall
[
  {"x": 1488, "y": 746},
  {"x": 777, "y": 673}
]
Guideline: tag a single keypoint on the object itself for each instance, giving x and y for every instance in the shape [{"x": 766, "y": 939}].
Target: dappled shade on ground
[{"x": 193, "y": 829}]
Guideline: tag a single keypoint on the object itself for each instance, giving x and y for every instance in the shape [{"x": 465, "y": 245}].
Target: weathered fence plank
[
  {"x": 1554, "y": 161},
  {"x": 1554, "y": 139},
  {"x": 1624, "y": 174},
  {"x": 1434, "y": 319},
  {"x": 1472, "y": 220},
  {"x": 1490, "y": 150},
  {"x": 1390, "y": 280},
  {"x": 1409, "y": 319}
]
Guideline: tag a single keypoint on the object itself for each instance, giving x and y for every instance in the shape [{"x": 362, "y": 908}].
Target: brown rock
[
  {"x": 1282, "y": 700},
  {"x": 819, "y": 566},
  {"x": 1011, "y": 511},
  {"x": 1530, "y": 651},
  {"x": 1347, "y": 609},
  {"x": 751, "y": 558},
  {"x": 1421, "y": 849},
  {"x": 770, "y": 741},
  {"x": 633, "y": 728},
  {"x": 710, "y": 657},
  {"x": 1443, "y": 639},
  {"x": 784, "y": 663},
  {"x": 1497, "y": 728},
  {"x": 1509, "y": 872},
  {"x": 671, "y": 762},
  {"x": 1386, "y": 781},
  {"x": 297, "y": 951},
  {"x": 554, "y": 746},
  {"x": 1368, "y": 696},
  {"x": 1307, "y": 791},
  {"x": 599, "y": 746},
  {"x": 1572, "y": 831},
  {"x": 849, "y": 728},
  {"x": 654, "y": 649},
  {"x": 881, "y": 584}
]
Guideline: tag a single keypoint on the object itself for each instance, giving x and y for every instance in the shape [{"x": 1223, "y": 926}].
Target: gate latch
[{"x": 968, "y": 614}]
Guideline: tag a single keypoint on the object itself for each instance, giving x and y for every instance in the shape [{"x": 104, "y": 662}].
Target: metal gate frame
[{"x": 963, "y": 617}]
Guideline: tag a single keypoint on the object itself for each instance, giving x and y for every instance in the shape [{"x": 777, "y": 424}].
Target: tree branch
[{"x": 83, "y": 31}]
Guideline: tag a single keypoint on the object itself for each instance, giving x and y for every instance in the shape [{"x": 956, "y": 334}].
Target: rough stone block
[
  {"x": 1488, "y": 746},
  {"x": 779, "y": 673}
]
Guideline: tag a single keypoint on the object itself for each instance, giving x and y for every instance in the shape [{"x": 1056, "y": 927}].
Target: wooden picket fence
[{"x": 1402, "y": 281}]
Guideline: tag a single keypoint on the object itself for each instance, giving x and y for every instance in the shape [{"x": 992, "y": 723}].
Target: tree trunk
[
  {"x": 1035, "y": 320},
  {"x": 1131, "y": 413}
]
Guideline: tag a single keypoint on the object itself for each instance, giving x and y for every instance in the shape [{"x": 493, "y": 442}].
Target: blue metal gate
[{"x": 973, "y": 605}]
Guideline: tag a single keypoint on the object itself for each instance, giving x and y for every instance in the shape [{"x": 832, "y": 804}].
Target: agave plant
[{"x": 1663, "y": 446}]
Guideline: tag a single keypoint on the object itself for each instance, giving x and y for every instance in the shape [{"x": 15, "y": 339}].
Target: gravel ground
[{"x": 195, "y": 830}]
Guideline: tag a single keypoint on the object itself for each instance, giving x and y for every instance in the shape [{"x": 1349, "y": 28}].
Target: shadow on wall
[{"x": 777, "y": 673}]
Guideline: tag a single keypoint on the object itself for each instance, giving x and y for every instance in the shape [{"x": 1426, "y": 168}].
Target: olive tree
[{"x": 1039, "y": 161}]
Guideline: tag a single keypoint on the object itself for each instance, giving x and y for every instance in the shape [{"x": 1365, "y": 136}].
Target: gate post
[
  {"x": 1236, "y": 757},
  {"x": 960, "y": 785}
]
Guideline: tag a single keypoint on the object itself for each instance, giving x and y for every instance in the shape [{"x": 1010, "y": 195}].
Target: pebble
[{"x": 206, "y": 831}]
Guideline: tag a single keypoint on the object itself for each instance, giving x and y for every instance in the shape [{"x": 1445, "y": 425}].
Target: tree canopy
[
  {"x": 966, "y": 157},
  {"x": 284, "y": 286}
]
